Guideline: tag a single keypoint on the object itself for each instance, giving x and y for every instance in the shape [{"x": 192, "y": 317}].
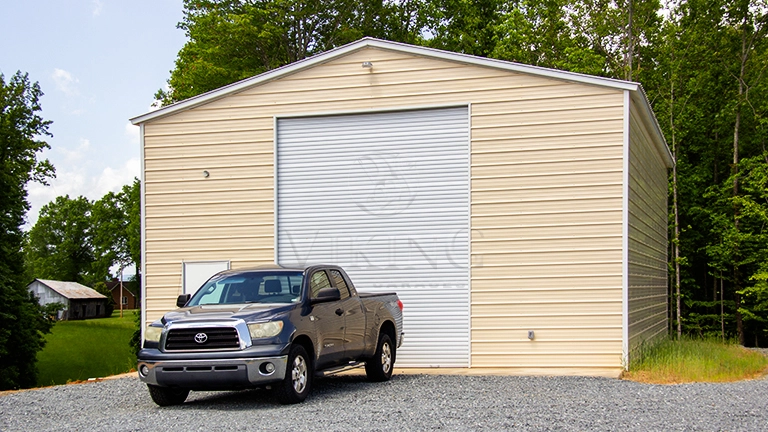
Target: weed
[{"x": 695, "y": 360}]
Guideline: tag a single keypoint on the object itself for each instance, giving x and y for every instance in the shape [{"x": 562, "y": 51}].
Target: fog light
[
  {"x": 144, "y": 370},
  {"x": 267, "y": 368}
]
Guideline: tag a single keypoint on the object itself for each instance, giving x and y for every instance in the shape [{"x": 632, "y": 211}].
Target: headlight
[
  {"x": 265, "y": 330},
  {"x": 152, "y": 334}
]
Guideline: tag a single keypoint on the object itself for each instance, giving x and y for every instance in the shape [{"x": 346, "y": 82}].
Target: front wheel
[
  {"x": 166, "y": 396},
  {"x": 379, "y": 368},
  {"x": 298, "y": 377}
]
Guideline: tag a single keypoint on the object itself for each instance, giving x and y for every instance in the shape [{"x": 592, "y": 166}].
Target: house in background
[
  {"x": 129, "y": 299},
  {"x": 80, "y": 302}
]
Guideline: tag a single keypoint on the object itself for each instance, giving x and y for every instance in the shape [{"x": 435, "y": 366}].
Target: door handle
[{"x": 339, "y": 311}]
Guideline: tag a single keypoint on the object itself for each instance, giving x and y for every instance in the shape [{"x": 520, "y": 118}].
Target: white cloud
[
  {"x": 97, "y": 5},
  {"x": 65, "y": 82},
  {"x": 76, "y": 182},
  {"x": 113, "y": 180},
  {"x": 77, "y": 154},
  {"x": 133, "y": 132}
]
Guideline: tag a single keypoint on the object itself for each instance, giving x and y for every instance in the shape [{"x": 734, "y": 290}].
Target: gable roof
[
  {"x": 638, "y": 94},
  {"x": 72, "y": 290},
  {"x": 115, "y": 285}
]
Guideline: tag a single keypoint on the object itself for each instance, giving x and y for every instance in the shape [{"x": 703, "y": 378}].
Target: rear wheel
[
  {"x": 379, "y": 368},
  {"x": 298, "y": 377},
  {"x": 166, "y": 396}
]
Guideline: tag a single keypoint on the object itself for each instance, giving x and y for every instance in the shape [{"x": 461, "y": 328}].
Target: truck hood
[{"x": 247, "y": 312}]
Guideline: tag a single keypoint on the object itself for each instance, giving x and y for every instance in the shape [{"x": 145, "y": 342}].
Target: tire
[
  {"x": 298, "y": 377},
  {"x": 379, "y": 367},
  {"x": 167, "y": 396}
]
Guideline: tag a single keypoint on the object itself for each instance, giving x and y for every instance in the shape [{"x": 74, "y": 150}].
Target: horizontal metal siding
[
  {"x": 648, "y": 301},
  {"x": 546, "y": 237},
  {"x": 499, "y": 155},
  {"x": 386, "y": 196}
]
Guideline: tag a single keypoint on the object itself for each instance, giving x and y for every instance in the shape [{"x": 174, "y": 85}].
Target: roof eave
[{"x": 660, "y": 141}]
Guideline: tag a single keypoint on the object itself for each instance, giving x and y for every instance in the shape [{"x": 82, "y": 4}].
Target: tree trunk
[
  {"x": 735, "y": 172},
  {"x": 675, "y": 210},
  {"x": 630, "y": 42},
  {"x": 722, "y": 308}
]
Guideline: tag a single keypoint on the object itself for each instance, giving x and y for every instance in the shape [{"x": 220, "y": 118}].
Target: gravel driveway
[{"x": 407, "y": 402}]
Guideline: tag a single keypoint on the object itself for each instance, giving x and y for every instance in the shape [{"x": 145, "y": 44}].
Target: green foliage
[
  {"x": 135, "y": 342},
  {"x": 22, "y": 322},
  {"x": 464, "y": 26},
  {"x": 695, "y": 360},
  {"x": 101, "y": 288},
  {"x": 78, "y": 350},
  {"x": 230, "y": 40},
  {"x": 79, "y": 240},
  {"x": 51, "y": 311},
  {"x": 61, "y": 242}
]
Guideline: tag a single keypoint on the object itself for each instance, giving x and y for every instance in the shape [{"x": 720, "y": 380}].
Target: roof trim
[{"x": 387, "y": 45}]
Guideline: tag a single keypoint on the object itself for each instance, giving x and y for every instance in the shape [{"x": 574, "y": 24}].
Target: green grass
[
  {"x": 696, "y": 360},
  {"x": 78, "y": 350}
]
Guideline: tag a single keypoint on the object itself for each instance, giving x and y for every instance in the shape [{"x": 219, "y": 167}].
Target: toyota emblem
[{"x": 201, "y": 338}]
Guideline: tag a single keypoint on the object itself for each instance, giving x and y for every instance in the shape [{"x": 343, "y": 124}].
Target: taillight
[{"x": 400, "y": 305}]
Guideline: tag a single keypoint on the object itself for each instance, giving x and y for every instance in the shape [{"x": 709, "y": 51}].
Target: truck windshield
[{"x": 253, "y": 287}]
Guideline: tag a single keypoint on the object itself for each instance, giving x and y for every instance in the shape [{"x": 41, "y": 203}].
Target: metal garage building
[{"x": 519, "y": 212}]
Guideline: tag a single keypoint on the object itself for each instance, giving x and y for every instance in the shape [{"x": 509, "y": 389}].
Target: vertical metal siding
[{"x": 385, "y": 195}]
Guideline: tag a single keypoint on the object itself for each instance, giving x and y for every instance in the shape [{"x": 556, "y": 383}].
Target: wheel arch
[{"x": 306, "y": 342}]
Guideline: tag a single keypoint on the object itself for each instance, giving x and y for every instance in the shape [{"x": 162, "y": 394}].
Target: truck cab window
[
  {"x": 338, "y": 279},
  {"x": 318, "y": 281}
]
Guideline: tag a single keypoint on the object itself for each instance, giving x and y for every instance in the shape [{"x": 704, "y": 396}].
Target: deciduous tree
[{"x": 22, "y": 322}]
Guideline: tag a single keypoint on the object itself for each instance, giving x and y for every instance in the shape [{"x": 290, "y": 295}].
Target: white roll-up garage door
[{"x": 386, "y": 196}]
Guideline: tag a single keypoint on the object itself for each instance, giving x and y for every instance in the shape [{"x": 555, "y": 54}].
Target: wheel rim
[
  {"x": 386, "y": 358},
  {"x": 299, "y": 374}
]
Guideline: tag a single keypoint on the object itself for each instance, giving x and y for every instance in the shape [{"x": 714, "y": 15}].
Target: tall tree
[
  {"x": 116, "y": 226},
  {"x": 22, "y": 322},
  {"x": 60, "y": 244},
  {"x": 79, "y": 240},
  {"x": 466, "y": 26},
  {"x": 230, "y": 40}
]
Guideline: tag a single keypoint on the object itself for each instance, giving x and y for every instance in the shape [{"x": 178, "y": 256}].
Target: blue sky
[{"x": 99, "y": 62}]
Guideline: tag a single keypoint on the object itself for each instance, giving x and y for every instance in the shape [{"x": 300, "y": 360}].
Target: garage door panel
[{"x": 386, "y": 196}]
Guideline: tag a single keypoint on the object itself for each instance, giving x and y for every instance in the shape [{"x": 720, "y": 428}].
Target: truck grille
[{"x": 211, "y": 338}]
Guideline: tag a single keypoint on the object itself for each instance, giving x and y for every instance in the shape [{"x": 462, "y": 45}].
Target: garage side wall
[
  {"x": 545, "y": 203},
  {"x": 647, "y": 236}
]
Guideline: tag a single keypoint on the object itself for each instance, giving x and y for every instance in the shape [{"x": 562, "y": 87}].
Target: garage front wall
[{"x": 545, "y": 204}]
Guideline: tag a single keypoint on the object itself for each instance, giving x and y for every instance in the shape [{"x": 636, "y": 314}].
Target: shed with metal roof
[{"x": 80, "y": 302}]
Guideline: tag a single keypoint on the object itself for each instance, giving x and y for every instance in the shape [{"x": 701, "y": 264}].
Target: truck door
[
  {"x": 354, "y": 327},
  {"x": 329, "y": 323}
]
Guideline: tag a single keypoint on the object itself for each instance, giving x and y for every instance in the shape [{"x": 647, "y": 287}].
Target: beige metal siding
[
  {"x": 546, "y": 173},
  {"x": 546, "y": 238},
  {"x": 647, "y": 237}
]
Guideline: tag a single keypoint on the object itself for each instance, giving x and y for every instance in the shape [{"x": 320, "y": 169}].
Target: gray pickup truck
[{"x": 271, "y": 327}]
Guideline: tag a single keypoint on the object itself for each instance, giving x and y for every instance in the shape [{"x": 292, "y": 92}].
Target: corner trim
[{"x": 625, "y": 233}]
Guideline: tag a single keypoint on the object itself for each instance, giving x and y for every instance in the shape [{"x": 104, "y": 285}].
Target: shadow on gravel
[{"x": 323, "y": 389}]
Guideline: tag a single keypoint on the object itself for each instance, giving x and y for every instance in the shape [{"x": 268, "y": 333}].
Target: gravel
[{"x": 407, "y": 402}]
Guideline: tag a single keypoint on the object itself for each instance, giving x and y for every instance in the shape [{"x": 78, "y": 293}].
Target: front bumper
[{"x": 213, "y": 374}]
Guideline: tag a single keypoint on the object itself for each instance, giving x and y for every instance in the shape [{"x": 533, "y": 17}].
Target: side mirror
[
  {"x": 326, "y": 295},
  {"x": 182, "y": 300}
]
